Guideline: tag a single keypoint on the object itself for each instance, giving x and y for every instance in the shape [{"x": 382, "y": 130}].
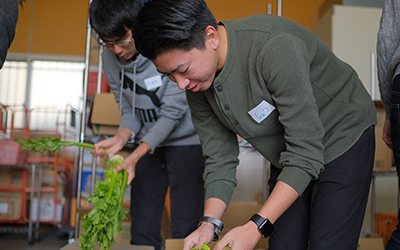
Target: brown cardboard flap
[
  {"x": 105, "y": 110},
  {"x": 383, "y": 154},
  {"x": 177, "y": 244},
  {"x": 371, "y": 244},
  {"x": 75, "y": 246}
]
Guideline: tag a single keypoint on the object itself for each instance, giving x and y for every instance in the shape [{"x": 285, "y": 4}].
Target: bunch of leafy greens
[
  {"x": 104, "y": 222},
  {"x": 203, "y": 247}
]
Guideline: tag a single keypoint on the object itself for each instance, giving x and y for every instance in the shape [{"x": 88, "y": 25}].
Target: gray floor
[{"x": 50, "y": 238}]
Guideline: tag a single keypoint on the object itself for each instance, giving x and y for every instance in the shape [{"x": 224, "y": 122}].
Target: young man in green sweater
[{"x": 277, "y": 85}]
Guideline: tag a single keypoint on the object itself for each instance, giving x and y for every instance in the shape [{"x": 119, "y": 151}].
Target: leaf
[
  {"x": 204, "y": 247},
  {"x": 103, "y": 223}
]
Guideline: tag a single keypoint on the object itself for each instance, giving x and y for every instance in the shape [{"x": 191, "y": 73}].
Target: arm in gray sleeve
[{"x": 173, "y": 108}]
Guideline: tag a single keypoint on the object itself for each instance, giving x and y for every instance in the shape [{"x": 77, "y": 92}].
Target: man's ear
[{"x": 212, "y": 36}]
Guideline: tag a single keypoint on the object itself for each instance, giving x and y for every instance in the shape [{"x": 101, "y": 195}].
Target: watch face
[
  {"x": 266, "y": 229},
  {"x": 264, "y": 225}
]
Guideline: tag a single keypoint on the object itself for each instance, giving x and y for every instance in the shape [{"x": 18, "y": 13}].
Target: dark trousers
[
  {"x": 394, "y": 241},
  {"x": 181, "y": 168},
  {"x": 330, "y": 213}
]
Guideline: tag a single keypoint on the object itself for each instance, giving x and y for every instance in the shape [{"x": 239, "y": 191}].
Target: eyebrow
[
  {"x": 119, "y": 39},
  {"x": 173, "y": 71}
]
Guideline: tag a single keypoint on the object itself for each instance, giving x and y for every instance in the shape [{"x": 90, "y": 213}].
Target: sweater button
[
  {"x": 219, "y": 89},
  {"x": 236, "y": 123},
  {"x": 226, "y": 107}
]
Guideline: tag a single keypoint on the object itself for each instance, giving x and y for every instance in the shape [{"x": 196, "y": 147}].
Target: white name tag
[
  {"x": 153, "y": 82},
  {"x": 262, "y": 111}
]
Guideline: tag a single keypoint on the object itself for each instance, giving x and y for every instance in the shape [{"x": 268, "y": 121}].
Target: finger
[
  {"x": 220, "y": 245},
  {"x": 118, "y": 168},
  {"x": 96, "y": 151},
  {"x": 131, "y": 173},
  {"x": 130, "y": 178},
  {"x": 187, "y": 245},
  {"x": 199, "y": 243}
]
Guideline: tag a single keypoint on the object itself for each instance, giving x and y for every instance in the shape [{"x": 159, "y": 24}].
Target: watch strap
[
  {"x": 264, "y": 225},
  {"x": 218, "y": 225}
]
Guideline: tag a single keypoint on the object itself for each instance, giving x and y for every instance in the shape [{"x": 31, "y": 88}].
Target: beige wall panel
[
  {"x": 303, "y": 12},
  {"x": 58, "y": 27},
  {"x": 233, "y": 9},
  {"x": 21, "y": 39}
]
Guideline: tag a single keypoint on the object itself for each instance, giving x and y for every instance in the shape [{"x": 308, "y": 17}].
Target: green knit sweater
[{"x": 321, "y": 106}]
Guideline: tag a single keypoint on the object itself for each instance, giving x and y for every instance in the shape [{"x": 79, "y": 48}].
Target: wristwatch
[
  {"x": 218, "y": 225},
  {"x": 264, "y": 225}
]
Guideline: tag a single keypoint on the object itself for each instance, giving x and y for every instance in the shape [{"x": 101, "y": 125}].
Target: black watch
[{"x": 264, "y": 225}]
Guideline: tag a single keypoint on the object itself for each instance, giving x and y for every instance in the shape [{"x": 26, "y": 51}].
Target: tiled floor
[{"x": 51, "y": 238}]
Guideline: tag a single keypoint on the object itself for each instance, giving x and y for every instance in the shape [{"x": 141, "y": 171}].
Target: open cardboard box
[
  {"x": 177, "y": 244},
  {"x": 238, "y": 213},
  {"x": 363, "y": 244},
  {"x": 75, "y": 246},
  {"x": 371, "y": 243},
  {"x": 104, "y": 117},
  {"x": 383, "y": 154}
]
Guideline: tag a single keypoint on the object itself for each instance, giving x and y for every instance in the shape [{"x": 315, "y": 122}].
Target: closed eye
[{"x": 186, "y": 70}]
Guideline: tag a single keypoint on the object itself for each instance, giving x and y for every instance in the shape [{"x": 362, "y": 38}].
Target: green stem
[
  {"x": 123, "y": 187},
  {"x": 112, "y": 184},
  {"x": 84, "y": 145}
]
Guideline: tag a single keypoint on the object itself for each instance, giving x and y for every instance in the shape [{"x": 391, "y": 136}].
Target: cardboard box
[
  {"x": 104, "y": 117},
  {"x": 383, "y": 154},
  {"x": 371, "y": 244},
  {"x": 363, "y": 244},
  {"x": 238, "y": 213},
  {"x": 50, "y": 179},
  {"x": 49, "y": 209},
  {"x": 11, "y": 177},
  {"x": 75, "y": 246},
  {"x": 177, "y": 244},
  {"x": 10, "y": 205}
]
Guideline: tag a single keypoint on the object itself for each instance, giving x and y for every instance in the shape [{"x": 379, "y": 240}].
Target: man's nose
[
  {"x": 182, "y": 81},
  {"x": 117, "y": 49}
]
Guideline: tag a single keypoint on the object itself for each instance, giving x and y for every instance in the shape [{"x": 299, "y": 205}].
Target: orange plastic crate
[
  {"x": 10, "y": 153},
  {"x": 385, "y": 224}
]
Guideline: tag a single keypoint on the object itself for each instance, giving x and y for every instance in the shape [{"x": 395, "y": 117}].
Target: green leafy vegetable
[
  {"x": 49, "y": 143},
  {"x": 104, "y": 222},
  {"x": 204, "y": 247}
]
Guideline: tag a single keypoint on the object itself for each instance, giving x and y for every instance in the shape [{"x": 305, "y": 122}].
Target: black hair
[
  {"x": 111, "y": 18},
  {"x": 163, "y": 25}
]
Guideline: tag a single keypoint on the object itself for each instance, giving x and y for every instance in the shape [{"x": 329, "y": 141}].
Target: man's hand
[
  {"x": 205, "y": 233},
  {"x": 111, "y": 145},
  {"x": 130, "y": 162},
  {"x": 243, "y": 237},
  {"x": 387, "y": 134}
]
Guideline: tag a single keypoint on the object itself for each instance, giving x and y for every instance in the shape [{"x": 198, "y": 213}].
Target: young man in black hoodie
[{"x": 8, "y": 22}]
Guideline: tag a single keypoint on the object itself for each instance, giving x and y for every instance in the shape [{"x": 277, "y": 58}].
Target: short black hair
[
  {"x": 163, "y": 25},
  {"x": 111, "y": 18}
]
